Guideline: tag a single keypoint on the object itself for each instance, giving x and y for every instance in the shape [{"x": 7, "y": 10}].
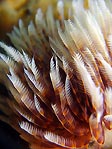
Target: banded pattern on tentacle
[{"x": 59, "y": 76}]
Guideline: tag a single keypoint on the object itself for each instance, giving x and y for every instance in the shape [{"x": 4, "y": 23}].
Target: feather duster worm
[{"x": 59, "y": 75}]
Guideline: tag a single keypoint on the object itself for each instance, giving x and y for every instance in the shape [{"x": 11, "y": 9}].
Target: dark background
[{"x": 9, "y": 138}]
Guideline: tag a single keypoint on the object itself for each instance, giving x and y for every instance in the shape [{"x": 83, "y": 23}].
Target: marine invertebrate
[{"x": 59, "y": 77}]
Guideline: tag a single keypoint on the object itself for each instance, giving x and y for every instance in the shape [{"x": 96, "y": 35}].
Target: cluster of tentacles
[{"x": 59, "y": 76}]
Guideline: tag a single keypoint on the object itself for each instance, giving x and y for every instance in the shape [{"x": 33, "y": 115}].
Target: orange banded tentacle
[
  {"x": 68, "y": 142},
  {"x": 96, "y": 129}
]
